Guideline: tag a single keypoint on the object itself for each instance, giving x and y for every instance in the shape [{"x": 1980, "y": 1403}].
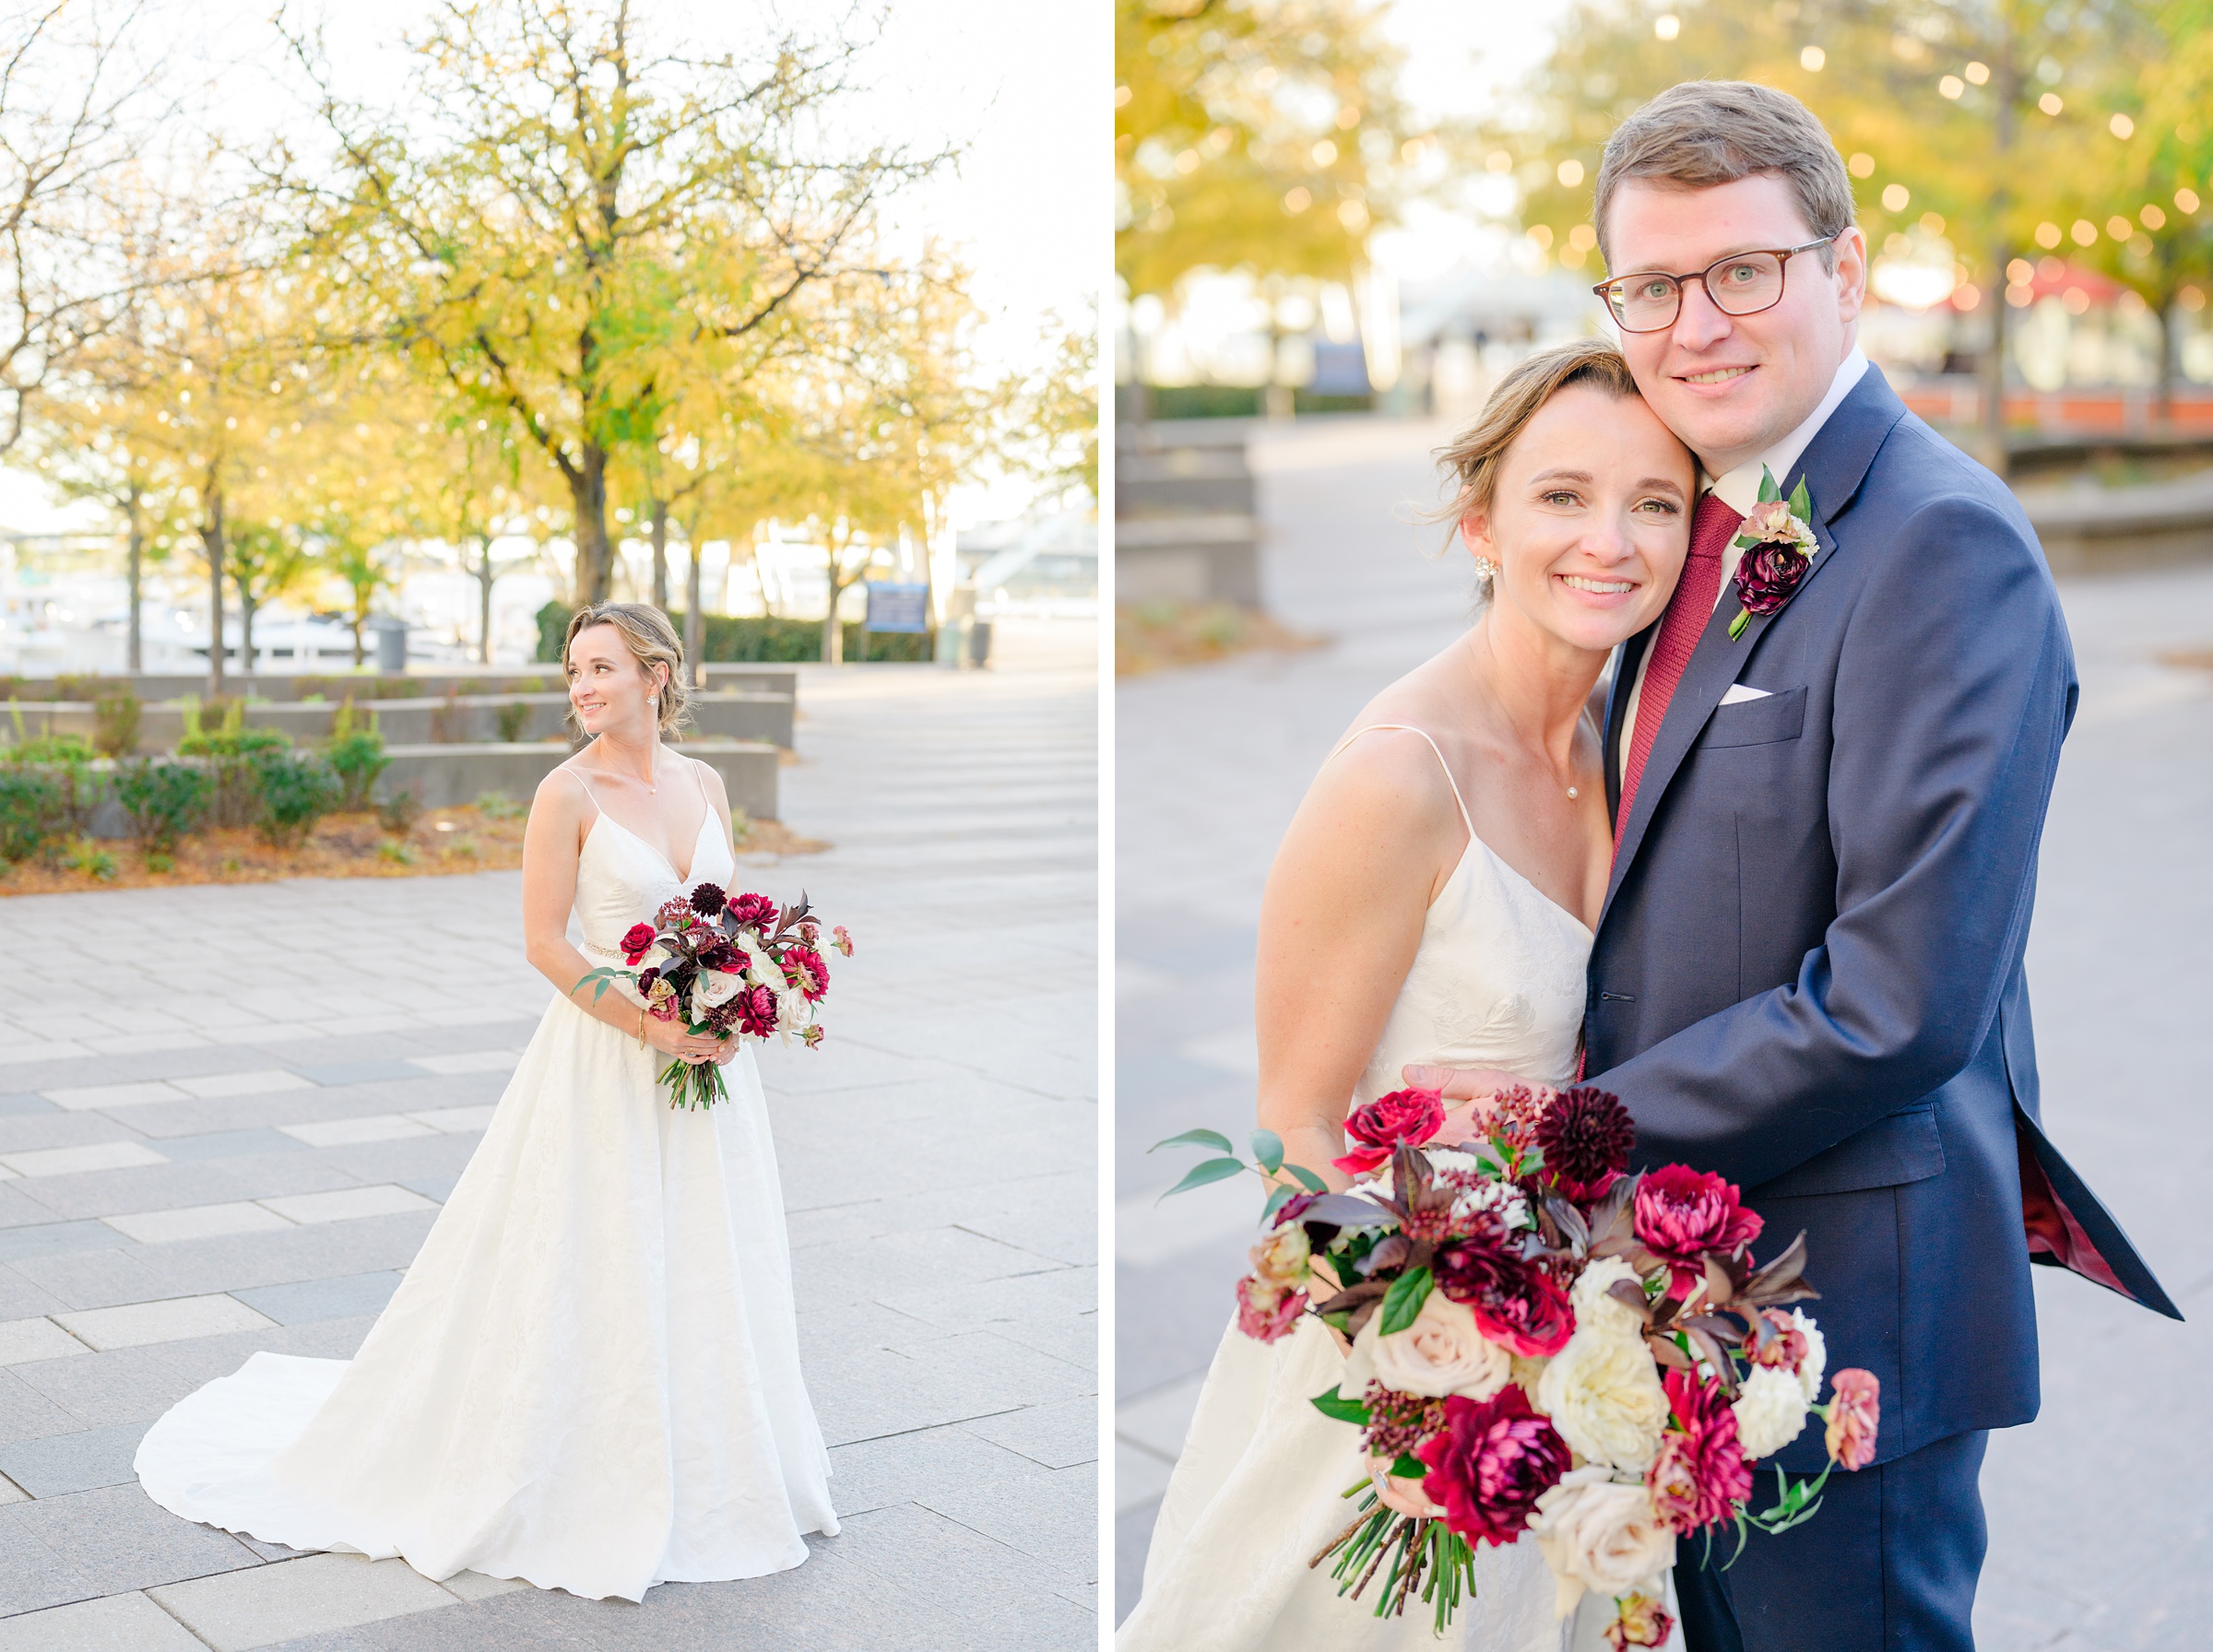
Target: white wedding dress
[
  {"x": 1497, "y": 982},
  {"x": 589, "y": 1378}
]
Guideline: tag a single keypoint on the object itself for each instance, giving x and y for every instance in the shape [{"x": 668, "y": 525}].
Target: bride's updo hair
[
  {"x": 651, "y": 640},
  {"x": 1472, "y": 461}
]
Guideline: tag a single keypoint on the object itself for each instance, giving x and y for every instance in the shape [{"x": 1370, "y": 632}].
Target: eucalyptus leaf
[
  {"x": 1306, "y": 1178},
  {"x": 1213, "y": 1138},
  {"x": 1402, "y": 1302},
  {"x": 1205, "y": 1171},
  {"x": 1276, "y": 1202},
  {"x": 1268, "y": 1149}
]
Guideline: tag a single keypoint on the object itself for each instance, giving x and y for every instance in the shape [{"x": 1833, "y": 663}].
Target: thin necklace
[{"x": 1477, "y": 679}]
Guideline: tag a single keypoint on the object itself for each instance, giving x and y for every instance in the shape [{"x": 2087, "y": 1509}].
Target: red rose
[
  {"x": 1494, "y": 1458},
  {"x": 637, "y": 940},
  {"x": 1855, "y": 1412},
  {"x": 812, "y": 976},
  {"x": 1265, "y": 1314},
  {"x": 1516, "y": 1306},
  {"x": 1700, "y": 1475},
  {"x": 1402, "y": 1119},
  {"x": 1681, "y": 1213}
]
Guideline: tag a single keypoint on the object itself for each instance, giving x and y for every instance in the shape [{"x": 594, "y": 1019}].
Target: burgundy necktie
[{"x": 1712, "y": 529}]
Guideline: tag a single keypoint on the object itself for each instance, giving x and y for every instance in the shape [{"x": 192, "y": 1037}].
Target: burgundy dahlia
[
  {"x": 722, "y": 956},
  {"x": 1402, "y": 1119},
  {"x": 753, "y": 909},
  {"x": 637, "y": 940},
  {"x": 1516, "y": 1306},
  {"x": 756, "y": 1012},
  {"x": 1494, "y": 1458},
  {"x": 1700, "y": 1475},
  {"x": 1586, "y": 1134},
  {"x": 1767, "y": 575},
  {"x": 707, "y": 899},
  {"x": 1681, "y": 1214},
  {"x": 814, "y": 975}
]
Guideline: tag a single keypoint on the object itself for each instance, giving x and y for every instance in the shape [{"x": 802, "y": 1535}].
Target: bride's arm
[
  {"x": 552, "y": 838},
  {"x": 1346, "y": 898}
]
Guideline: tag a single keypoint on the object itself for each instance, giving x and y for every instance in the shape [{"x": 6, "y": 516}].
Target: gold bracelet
[{"x": 641, "y": 1026}]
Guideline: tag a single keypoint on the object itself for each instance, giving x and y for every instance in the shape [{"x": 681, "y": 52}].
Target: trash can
[
  {"x": 391, "y": 643},
  {"x": 980, "y": 641}
]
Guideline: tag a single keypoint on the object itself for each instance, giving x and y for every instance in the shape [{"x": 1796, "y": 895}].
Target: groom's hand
[{"x": 1467, "y": 1094}]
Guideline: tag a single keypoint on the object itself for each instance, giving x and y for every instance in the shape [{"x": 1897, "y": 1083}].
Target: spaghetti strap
[
  {"x": 1410, "y": 728},
  {"x": 586, "y": 785}
]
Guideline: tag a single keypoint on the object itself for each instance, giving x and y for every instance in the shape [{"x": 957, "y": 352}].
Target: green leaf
[
  {"x": 1306, "y": 1178},
  {"x": 1268, "y": 1147},
  {"x": 1205, "y": 1171},
  {"x": 1276, "y": 1202},
  {"x": 1801, "y": 502},
  {"x": 1335, "y": 1404},
  {"x": 1409, "y": 1468},
  {"x": 1768, "y": 490},
  {"x": 1737, "y": 626},
  {"x": 1213, "y": 1138},
  {"x": 1403, "y": 1301}
]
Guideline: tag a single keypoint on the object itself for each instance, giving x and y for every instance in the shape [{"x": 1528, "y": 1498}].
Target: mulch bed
[
  {"x": 1161, "y": 636},
  {"x": 343, "y": 845}
]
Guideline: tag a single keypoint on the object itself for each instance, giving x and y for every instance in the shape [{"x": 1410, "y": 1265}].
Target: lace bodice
[{"x": 1498, "y": 980}]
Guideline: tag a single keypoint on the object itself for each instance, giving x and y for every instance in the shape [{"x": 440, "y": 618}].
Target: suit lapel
[
  {"x": 1617, "y": 698},
  {"x": 1833, "y": 465}
]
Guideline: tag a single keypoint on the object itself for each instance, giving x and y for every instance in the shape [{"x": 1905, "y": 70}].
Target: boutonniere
[{"x": 1779, "y": 546}]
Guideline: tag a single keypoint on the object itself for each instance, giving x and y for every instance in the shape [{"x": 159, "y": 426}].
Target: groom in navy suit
[{"x": 1807, "y": 976}]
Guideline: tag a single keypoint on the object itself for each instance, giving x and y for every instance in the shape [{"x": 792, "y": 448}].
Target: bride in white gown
[
  {"x": 589, "y": 1378},
  {"x": 1430, "y": 905}
]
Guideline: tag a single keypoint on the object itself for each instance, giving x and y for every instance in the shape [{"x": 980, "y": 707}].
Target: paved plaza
[
  {"x": 227, "y": 1117},
  {"x": 2098, "y": 1513}
]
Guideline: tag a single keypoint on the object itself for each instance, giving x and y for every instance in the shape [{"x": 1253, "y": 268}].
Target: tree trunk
[
  {"x": 660, "y": 556},
  {"x": 2167, "y": 343},
  {"x": 595, "y": 555},
  {"x": 247, "y": 605},
  {"x": 484, "y": 579},
  {"x": 695, "y": 621},
  {"x": 1993, "y": 371},
  {"x": 211, "y": 540},
  {"x": 834, "y": 634},
  {"x": 134, "y": 659}
]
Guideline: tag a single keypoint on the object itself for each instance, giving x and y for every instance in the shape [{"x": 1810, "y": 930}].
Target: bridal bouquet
[
  {"x": 1543, "y": 1345},
  {"x": 729, "y": 965}
]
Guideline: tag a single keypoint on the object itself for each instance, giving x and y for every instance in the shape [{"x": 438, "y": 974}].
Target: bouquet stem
[
  {"x": 1420, "y": 1555},
  {"x": 691, "y": 1085}
]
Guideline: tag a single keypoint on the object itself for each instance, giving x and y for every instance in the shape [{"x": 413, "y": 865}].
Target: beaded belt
[{"x": 602, "y": 951}]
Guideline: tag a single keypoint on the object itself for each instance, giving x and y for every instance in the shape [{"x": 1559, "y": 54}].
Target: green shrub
[
  {"x": 232, "y": 750},
  {"x": 392, "y": 849},
  {"x": 294, "y": 789},
  {"x": 115, "y": 722},
  {"x": 513, "y": 720},
  {"x": 356, "y": 755},
  {"x": 165, "y": 799},
  {"x": 33, "y": 812},
  {"x": 401, "y": 811},
  {"x": 728, "y": 638},
  {"x": 51, "y": 750},
  {"x": 499, "y": 805},
  {"x": 87, "y": 856}
]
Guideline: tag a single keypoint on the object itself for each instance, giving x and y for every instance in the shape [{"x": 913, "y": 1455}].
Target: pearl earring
[{"x": 1487, "y": 574}]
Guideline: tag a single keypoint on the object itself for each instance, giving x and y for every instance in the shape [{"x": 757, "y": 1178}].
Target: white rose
[
  {"x": 1816, "y": 1356},
  {"x": 1595, "y": 1308},
  {"x": 1441, "y": 1352},
  {"x": 1602, "y": 1393},
  {"x": 1769, "y": 1410},
  {"x": 716, "y": 986},
  {"x": 1599, "y": 1536}
]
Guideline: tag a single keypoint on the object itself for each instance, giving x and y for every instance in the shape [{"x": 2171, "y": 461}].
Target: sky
[{"x": 1018, "y": 86}]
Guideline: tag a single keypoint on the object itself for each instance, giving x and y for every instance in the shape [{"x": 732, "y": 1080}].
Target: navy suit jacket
[{"x": 1808, "y": 974}]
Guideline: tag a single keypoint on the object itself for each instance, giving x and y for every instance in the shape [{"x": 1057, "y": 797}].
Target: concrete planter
[{"x": 450, "y": 775}]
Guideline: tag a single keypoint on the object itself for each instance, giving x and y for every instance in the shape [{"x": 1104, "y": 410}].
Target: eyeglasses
[{"x": 1741, "y": 284}]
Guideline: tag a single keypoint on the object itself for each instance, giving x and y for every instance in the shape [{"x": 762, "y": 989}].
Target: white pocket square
[{"x": 1739, "y": 693}]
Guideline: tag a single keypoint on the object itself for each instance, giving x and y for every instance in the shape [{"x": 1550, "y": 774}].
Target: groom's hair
[{"x": 1705, "y": 133}]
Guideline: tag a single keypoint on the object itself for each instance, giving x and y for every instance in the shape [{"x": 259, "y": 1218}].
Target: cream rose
[
  {"x": 1595, "y": 1308},
  {"x": 1441, "y": 1352},
  {"x": 1770, "y": 1410},
  {"x": 1602, "y": 1393},
  {"x": 1599, "y": 1536}
]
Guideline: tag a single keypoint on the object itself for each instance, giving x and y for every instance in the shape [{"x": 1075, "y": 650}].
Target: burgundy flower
[
  {"x": 806, "y": 971},
  {"x": 721, "y": 956},
  {"x": 645, "y": 980},
  {"x": 637, "y": 940},
  {"x": 1767, "y": 575},
  {"x": 753, "y": 910},
  {"x": 707, "y": 899},
  {"x": 1700, "y": 1475},
  {"x": 1787, "y": 1349},
  {"x": 1681, "y": 1213},
  {"x": 673, "y": 911},
  {"x": 1516, "y": 1306},
  {"x": 1265, "y": 1314},
  {"x": 1586, "y": 1134},
  {"x": 1855, "y": 1412},
  {"x": 756, "y": 1012},
  {"x": 1494, "y": 1458},
  {"x": 1402, "y": 1119}
]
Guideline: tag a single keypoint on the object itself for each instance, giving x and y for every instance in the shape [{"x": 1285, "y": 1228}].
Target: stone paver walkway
[
  {"x": 227, "y": 1116},
  {"x": 2099, "y": 1511}
]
